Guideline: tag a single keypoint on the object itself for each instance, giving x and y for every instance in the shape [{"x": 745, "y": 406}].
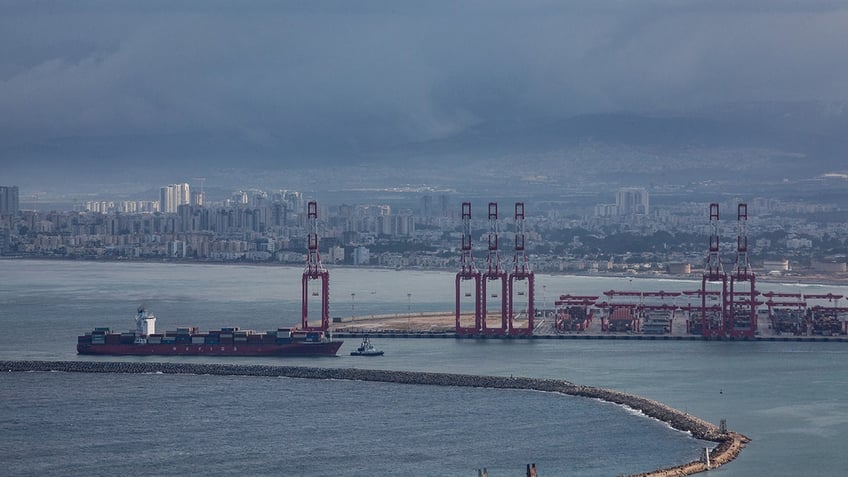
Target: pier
[{"x": 441, "y": 325}]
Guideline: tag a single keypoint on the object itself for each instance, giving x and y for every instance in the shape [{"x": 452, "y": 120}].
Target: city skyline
[{"x": 268, "y": 226}]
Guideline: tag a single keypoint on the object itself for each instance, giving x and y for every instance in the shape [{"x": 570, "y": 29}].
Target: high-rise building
[
  {"x": 444, "y": 205},
  {"x": 427, "y": 206},
  {"x": 632, "y": 201},
  {"x": 165, "y": 201},
  {"x": 293, "y": 200},
  {"x": 239, "y": 198},
  {"x": 198, "y": 198},
  {"x": 9, "y": 204},
  {"x": 172, "y": 196}
]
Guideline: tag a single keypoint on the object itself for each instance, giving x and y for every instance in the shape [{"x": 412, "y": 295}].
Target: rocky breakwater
[{"x": 729, "y": 443}]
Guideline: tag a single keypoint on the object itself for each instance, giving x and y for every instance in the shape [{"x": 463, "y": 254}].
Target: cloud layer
[{"x": 273, "y": 73}]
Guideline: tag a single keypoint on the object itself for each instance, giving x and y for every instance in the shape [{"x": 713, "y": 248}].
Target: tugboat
[{"x": 366, "y": 349}]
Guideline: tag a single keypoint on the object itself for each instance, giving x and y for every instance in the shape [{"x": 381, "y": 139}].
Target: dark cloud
[{"x": 353, "y": 74}]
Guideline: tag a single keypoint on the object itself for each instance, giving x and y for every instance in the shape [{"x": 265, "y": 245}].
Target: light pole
[{"x": 352, "y": 307}]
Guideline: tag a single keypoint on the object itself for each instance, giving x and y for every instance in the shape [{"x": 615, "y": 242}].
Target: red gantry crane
[
  {"x": 787, "y": 314},
  {"x": 742, "y": 321},
  {"x": 467, "y": 279},
  {"x": 713, "y": 314},
  {"x": 824, "y": 319},
  {"x": 498, "y": 278},
  {"x": 315, "y": 272},
  {"x": 573, "y": 312},
  {"x": 521, "y": 274}
]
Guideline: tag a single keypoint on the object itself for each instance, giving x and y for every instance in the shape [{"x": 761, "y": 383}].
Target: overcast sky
[{"x": 269, "y": 71}]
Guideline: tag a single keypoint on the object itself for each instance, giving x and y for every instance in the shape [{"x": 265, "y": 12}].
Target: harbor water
[{"x": 786, "y": 396}]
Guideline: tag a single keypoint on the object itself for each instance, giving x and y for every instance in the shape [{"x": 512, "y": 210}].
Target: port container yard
[{"x": 728, "y": 305}]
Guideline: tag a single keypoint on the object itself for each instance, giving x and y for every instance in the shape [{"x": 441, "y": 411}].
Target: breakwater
[{"x": 729, "y": 443}]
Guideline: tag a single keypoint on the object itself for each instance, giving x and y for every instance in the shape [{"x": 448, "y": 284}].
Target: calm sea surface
[{"x": 788, "y": 397}]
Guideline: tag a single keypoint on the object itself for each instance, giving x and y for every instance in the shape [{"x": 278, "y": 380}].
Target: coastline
[
  {"x": 805, "y": 279},
  {"x": 729, "y": 443}
]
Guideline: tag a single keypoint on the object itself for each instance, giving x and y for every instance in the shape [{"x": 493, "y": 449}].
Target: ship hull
[
  {"x": 244, "y": 349},
  {"x": 366, "y": 353}
]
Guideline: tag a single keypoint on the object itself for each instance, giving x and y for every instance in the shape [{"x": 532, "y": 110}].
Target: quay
[
  {"x": 442, "y": 325},
  {"x": 579, "y": 336}
]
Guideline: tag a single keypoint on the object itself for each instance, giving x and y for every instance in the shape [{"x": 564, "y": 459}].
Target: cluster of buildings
[
  {"x": 423, "y": 233},
  {"x": 256, "y": 227},
  {"x": 170, "y": 198},
  {"x": 629, "y": 201},
  {"x": 175, "y": 195}
]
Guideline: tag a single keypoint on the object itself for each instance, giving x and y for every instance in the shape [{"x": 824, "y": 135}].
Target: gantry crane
[{"x": 315, "y": 271}]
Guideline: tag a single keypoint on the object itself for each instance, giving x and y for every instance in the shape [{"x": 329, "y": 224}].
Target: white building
[
  {"x": 797, "y": 243},
  {"x": 176, "y": 249},
  {"x": 361, "y": 256},
  {"x": 173, "y": 196},
  {"x": 336, "y": 254},
  {"x": 771, "y": 266},
  {"x": 632, "y": 201}
]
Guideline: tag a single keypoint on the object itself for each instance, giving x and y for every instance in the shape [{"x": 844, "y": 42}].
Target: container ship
[{"x": 189, "y": 341}]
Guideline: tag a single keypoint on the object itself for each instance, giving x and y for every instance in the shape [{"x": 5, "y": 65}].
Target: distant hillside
[
  {"x": 752, "y": 141},
  {"x": 764, "y": 142}
]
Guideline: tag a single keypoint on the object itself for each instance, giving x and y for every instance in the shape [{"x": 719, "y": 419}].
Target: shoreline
[
  {"x": 729, "y": 445},
  {"x": 812, "y": 279}
]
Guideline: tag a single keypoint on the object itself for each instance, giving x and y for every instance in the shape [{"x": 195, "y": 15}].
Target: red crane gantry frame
[
  {"x": 744, "y": 300},
  {"x": 494, "y": 273},
  {"x": 314, "y": 271},
  {"x": 467, "y": 272},
  {"x": 521, "y": 271},
  {"x": 713, "y": 273}
]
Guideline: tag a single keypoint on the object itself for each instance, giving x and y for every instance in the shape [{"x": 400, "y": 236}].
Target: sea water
[{"x": 788, "y": 397}]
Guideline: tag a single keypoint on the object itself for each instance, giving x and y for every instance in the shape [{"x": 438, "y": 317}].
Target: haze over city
[{"x": 122, "y": 96}]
